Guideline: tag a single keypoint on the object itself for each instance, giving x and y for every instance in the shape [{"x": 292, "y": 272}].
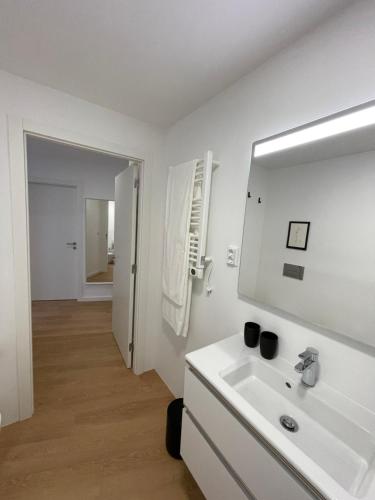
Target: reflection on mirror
[
  {"x": 100, "y": 245},
  {"x": 309, "y": 235}
]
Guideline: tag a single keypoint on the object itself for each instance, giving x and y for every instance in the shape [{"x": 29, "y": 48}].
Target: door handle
[{"x": 72, "y": 244}]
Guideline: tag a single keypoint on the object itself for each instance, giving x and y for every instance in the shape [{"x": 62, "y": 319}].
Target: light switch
[{"x": 233, "y": 256}]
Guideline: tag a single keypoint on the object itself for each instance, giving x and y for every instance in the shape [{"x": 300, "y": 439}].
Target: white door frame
[{"x": 18, "y": 128}]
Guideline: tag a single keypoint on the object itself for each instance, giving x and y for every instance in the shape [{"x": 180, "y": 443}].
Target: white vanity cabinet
[
  {"x": 227, "y": 460},
  {"x": 209, "y": 471}
]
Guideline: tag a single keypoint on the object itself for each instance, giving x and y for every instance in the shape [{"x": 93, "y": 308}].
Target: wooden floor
[
  {"x": 98, "y": 430},
  {"x": 102, "y": 277}
]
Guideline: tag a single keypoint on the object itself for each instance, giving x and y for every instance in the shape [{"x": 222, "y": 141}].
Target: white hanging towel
[{"x": 176, "y": 281}]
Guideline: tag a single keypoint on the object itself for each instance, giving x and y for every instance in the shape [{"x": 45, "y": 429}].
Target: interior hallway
[{"x": 98, "y": 430}]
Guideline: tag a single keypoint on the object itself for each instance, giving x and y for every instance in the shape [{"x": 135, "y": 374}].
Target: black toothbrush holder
[
  {"x": 268, "y": 344},
  {"x": 251, "y": 334}
]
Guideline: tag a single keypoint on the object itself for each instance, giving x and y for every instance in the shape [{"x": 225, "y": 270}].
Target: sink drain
[{"x": 289, "y": 423}]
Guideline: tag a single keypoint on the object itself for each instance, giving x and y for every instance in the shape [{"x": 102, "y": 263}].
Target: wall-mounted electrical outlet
[{"x": 233, "y": 256}]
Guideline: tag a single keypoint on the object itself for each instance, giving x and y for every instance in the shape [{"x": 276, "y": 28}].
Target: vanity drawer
[
  {"x": 257, "y": 468},
  {"x": 211, "y": 475}
]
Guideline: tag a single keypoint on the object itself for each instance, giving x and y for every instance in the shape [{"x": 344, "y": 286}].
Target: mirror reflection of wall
[
  {"x": 309, "y": 236},
  {"x": 100, "y": 245}
]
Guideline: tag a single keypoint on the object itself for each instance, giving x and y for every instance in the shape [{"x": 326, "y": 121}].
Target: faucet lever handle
[
  {"x": 309, "y": 353},
  {"x": 304, "y": 355}
]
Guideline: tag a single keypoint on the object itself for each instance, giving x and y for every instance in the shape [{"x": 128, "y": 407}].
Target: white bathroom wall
[
  {"x": 329, "y": 70},
  {"x": 93, "y": 173},
  {"x": 24, "y": 99}
]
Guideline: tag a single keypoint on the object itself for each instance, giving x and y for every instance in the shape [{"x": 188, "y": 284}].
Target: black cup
[
  {"x": 268, "y": 344},
  {"x": 251, "y": 334}
]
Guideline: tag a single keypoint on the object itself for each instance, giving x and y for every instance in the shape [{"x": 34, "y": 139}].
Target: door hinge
[
  {"x": 136, "y": 183},
  {"x": 134, "y": 268},
  {"x": 131, "y": 347}
]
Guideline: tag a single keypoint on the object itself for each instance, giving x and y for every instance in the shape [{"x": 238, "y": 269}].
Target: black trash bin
[{"x": 174, "y": 423}]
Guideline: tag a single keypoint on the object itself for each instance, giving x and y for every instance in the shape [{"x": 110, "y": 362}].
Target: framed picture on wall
[{"x": 298, "y": 235}]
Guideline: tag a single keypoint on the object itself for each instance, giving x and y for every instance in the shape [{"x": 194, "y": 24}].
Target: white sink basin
[{"x": 334, "y": 432}]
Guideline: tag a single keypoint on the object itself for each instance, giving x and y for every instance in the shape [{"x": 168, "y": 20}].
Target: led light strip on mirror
[{"x": 352, "y": 120}]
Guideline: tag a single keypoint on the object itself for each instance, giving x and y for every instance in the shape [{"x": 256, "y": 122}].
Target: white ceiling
[{"x": 156, "y": 60}]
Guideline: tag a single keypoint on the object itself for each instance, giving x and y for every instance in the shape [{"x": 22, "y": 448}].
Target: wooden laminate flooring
[{"x": 98, "y": 430}]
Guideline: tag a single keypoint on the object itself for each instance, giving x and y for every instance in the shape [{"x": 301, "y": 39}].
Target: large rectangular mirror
[
  {"x": 100, "y": 244},
  {"x": 309, "y": 235}
]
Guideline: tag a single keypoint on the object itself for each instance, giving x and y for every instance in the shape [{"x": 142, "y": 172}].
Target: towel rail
[{"x": 199, "y": 215}]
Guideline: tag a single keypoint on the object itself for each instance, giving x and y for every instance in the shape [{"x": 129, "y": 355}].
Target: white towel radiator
[{"x": 199, "y": 216}]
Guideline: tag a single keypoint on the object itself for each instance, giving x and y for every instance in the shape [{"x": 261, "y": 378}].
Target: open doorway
[
  {"x": 18, "y": 131},
  {"x": 83, "y": 226}
]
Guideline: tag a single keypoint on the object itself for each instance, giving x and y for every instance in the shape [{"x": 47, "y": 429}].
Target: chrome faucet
[{"x": 309, "y": 366}]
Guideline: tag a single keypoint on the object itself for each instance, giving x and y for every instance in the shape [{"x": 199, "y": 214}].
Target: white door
[
  {"x": 125, "y": 256},
  {"x": 53, "y": 230}
]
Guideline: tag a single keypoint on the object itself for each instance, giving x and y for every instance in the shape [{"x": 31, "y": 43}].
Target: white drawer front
[
  {"x": 263, "y": 475},
  {"x": 213, "y": 478}
]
